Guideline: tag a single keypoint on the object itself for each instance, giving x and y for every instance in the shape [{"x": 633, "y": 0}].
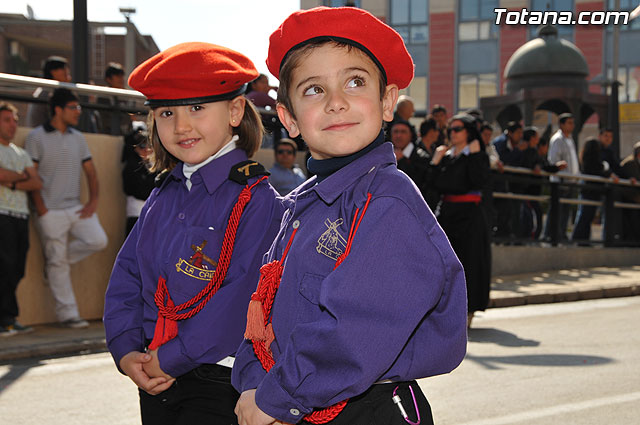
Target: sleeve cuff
[
  {"x": 172, "y": 360},
  {"x": 125, "y": 343},
  {"x": 272, "y": 399}
]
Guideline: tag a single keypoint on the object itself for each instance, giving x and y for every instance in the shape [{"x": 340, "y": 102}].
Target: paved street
[{"x": 565, "y": 363}]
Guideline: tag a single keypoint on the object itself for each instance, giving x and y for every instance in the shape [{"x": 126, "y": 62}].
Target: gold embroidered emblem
[
  {"x": 196, "y": 266},
  {"x": 331, "y": 243},
  {"x": 245, "y": 168}
]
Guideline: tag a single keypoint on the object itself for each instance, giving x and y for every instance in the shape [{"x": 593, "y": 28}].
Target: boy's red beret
[
  {"x": 344, "y": 24},
  {"x": 192, "y": 73}
]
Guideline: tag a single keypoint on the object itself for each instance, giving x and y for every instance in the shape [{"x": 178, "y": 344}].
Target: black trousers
[
  {"x": 14, "y": 243},
  {"x": 376, "y": 407},
  {"x": 201, "y": 396}
]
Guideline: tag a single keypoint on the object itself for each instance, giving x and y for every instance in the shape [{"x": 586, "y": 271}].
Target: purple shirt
[
  {"x": 394, "y": 309},
  {"x": 174, "y": 227}
]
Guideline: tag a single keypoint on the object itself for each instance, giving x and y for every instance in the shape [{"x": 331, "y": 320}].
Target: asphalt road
[{"x": 568, "y": 363}]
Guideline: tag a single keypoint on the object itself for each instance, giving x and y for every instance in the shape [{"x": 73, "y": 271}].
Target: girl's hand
[
  {"x": 152, "y": 367},
  {"x": 132, "y": 365},
  {"x": 249, "y": 413}
]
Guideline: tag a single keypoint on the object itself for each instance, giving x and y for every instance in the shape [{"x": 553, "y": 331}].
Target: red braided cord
[
  {"x": 221, "y": 270},
  {"x": 270, "y": 276}
]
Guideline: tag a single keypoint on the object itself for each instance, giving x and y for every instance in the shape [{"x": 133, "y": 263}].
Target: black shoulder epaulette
[
  {"x": 161, "y": 177},
  {"x": 243, "y": 171}
]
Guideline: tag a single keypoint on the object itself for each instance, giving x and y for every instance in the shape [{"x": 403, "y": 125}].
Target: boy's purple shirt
[
  {"x": 395, "y": 309},
  {"x": 173, "y": 223}
]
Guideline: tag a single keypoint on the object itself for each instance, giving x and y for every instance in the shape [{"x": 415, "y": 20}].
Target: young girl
[{"x": 176, "y": 304}]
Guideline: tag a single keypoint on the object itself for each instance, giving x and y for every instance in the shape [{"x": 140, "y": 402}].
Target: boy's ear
[
  {"x": 287, "y": 120},
  {"x": 389, "y": 101},
  {"x": 236, "y": 110}
]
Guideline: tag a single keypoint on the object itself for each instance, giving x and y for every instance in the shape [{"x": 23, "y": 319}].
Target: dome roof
[{"x": 547, "y": 55}]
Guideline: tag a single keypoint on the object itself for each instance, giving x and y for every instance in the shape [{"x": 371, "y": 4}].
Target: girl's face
[
  {"x": 458, "y": 133},
  {"x": 193, "y": 133}
]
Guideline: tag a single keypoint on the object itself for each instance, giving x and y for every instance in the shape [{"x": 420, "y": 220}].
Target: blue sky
[{"x": 243, "y": 25}]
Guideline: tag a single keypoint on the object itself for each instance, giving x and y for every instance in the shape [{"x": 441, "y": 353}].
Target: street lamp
[{"x": 129, "y": 41}]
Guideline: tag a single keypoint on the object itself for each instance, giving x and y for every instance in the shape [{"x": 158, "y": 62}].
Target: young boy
[{"x": 371, "y": 294}]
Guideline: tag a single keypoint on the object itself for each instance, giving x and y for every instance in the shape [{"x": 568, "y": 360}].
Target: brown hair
[
  {"x": 292, "y": 61},
  {"x": 249, "y": 131}
]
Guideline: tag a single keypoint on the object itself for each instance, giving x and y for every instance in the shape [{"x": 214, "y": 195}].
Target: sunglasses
[
  {"x": 282, "y": 151},
  {"x": 456, "y": 129}
]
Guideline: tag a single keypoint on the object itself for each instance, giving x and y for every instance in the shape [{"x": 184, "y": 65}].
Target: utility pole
[{"x": 80, "y": 71}]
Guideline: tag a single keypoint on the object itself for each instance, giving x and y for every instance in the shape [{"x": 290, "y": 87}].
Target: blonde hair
[{"x": 249, "y": 131}]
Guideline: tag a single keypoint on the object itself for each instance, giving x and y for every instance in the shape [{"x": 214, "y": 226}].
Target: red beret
[
  {"x": 344, "y": 24},
  {"x": 192, "y": 73}
]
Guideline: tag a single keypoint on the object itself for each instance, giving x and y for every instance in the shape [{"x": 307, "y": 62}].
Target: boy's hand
[
  {"x": 132, "y": 365},
  {"x": 249, "y": 413}
]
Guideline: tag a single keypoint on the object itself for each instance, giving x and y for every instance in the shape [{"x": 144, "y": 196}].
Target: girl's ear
[
  {"x": 236, "y": 110},
  {"x": 389, "y": 101},
  {"x": 287, "y": 120}
]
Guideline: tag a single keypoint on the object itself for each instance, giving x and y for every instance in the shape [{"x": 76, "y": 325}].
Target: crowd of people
[{"x": 207, "y": 325}]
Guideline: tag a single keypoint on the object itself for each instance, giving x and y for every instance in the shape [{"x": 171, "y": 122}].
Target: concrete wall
[{"x": 90, "y": 276}]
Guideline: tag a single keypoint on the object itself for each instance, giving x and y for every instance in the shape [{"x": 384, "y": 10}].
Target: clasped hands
[{"x": 144, "y": 370}]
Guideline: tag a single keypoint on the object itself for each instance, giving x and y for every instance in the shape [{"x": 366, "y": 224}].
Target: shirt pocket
[{"x": 193, "y": 262}]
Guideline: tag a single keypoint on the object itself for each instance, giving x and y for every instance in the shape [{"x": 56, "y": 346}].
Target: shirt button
[
  {"x": 181, "y": 216},
  {"x": 294, "y": 412},
  {"x": 296, "y": 224}
]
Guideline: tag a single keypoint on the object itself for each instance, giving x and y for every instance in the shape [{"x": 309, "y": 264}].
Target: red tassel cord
[
  {"x": 259, "y": 329},
  {"x": 168, "y": 313}
]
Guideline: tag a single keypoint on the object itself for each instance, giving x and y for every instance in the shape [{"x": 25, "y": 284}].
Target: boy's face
[{"x": 335, "y": 94}]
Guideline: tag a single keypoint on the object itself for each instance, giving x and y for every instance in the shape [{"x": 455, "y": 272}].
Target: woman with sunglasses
[{"x": 458, "y": 173}]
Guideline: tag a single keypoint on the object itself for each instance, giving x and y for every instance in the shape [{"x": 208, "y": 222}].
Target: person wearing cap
[
  {"x": 459, "y": 174},
  {"x": 286, "y": 175},
  {"x": 176, "y": 302},
  {"x": 361, "y": 292},
  {"x": 562, "y": 148},
  {"x": 54, "y": 68}
]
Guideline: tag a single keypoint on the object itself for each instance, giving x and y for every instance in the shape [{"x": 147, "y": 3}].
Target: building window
[
  {"x": 471, "y": 87},
  {"x": 417, "y": 90},
  {"x": 342, "y": 3},
  {"x": 477, "y": 20},
  {"x": 564, "y": 31},
  {"x": 625, "y": 5},
  {"x": 629, "y": 77},
  {"x": 410, "y": 18}
]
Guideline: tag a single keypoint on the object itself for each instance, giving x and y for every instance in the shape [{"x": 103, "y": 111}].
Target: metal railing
[{"x": 610, "y": 193}]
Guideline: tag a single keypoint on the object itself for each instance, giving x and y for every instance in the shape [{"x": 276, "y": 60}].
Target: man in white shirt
[{"x": 563, "y": 148}]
